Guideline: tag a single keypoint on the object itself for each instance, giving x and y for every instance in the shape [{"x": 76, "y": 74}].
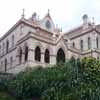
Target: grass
[{"x": 6, "y": 96}]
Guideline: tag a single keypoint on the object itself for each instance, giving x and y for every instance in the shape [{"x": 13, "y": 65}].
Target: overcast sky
[{"x": 66, "y": 13}]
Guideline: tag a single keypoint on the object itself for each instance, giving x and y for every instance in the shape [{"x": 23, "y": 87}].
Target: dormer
[{"x": 47, "y": 23}]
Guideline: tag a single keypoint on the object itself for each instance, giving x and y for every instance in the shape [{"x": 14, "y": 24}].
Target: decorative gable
[{"x": 47, "y": 23}]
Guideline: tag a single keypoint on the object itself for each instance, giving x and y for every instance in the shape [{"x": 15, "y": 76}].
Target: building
[{"x": 31, "y": 42}]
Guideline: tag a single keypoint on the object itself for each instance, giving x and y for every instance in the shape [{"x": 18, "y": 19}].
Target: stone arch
[
  {"x": 47, "y": 56},
  {"x": 38, "y": 44},
  {"x": 60, "y": 56},
  {"x": 38, "y": 54}
]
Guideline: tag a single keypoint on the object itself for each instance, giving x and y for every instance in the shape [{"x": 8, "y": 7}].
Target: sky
[{"x": 65, "y": 13}]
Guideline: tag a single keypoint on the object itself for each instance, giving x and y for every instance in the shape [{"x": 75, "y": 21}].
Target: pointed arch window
[
  {"x": 11, "y": 61},
  {"x": 97, "y": 42},
  {"x": 60, "y": 56},
  {"x": 26, "y": 53},
  {"x": 5, "y": 65},
  {"x": 7, "y": 46},
  {"x": 47, "y": 56},
  {"x": 37, "y": 54},
  {"x": 3, "y": 48},
  {"x": 81, "y": 45},
  {"x": 73, "y": 44},
  {"x": 12, "y": 40},
  {"x": 20, "y": 55},
  {"x": 89, "y": 43}
]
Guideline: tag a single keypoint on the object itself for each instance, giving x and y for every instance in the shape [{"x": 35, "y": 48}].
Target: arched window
[
  {"x": 37, "y": 54},
  {"x": 7, "y": 46},
  {"x": 97, "y": 42},
  {"x": 3, "y": 48},
  {"x": 60, "y": 56},
  {"x": 26, "y": 53},
  {"x": 20, "y": 55},
  {"x": 73, "y": 45},
  {"x": 89, "y": 43},
  {"x": 5, "y": 65},
  {"x": 11, "y": 61},
  {"x": 81, "y": 45},
  {"x": 47, "y": 56},
  {"x": 12, "y": 40}
]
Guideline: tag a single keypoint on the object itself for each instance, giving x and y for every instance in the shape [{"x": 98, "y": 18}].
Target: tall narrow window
[
  {"x": 5, "y": 65},
  {"x": 11, "y": 61},
  {"x": 26, "y": 53},
  {"x": 3, "y": 48},
  {"x": 20, "y": 55},
  {"x": 81, "y": 45},
  {"x": 97, "y": 42},
  {"x": 7, "y": 46},
  {"x": 47, "y": 56},
  {"x": 89, "y": 43},
  {"x": 73, "y": 45},
  {"x": 12, "y": 40},
  {"x": 37, "y": 54}
]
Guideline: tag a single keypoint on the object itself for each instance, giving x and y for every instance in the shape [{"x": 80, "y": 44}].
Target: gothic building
[{"x": 31, "y": 42}]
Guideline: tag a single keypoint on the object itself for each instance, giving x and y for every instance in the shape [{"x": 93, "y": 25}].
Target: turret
[{"x": 85, "y": 19}]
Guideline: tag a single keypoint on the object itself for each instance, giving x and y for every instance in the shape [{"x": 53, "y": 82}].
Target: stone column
[
  {"x": 42, "y": 57},
  {"x": 31, "y": 57},
  {"x": 52, "y": 59}
]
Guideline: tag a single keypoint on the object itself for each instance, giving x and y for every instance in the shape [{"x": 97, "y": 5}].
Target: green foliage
[
  {"x": 4, "y": 78},
  {"x": 77, "y": 79},
  {"x": 6, "y": 96},
  {"x": 91, "y": 64}
]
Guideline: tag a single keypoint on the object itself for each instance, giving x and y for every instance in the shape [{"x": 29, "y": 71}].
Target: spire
[
  {"x": 23, "y": 13},
  {"x": 93, "y": 22},
  {"x": 48, "y": 12}
]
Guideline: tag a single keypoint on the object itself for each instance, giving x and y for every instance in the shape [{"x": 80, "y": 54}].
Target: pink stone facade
[{"x": 33, "y": 42}]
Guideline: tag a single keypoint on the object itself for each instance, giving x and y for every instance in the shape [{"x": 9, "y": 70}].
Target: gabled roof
[
  {"x": 11, "y": 29},
  {"x": 81, "y": 30},
  {"x": 25, "y": 21}
]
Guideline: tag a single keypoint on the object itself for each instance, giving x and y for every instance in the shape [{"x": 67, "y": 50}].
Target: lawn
[{"x": 6, "y": 96}]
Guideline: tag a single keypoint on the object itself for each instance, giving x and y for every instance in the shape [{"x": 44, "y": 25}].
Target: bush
[
  {"x": 67, "y": 81},
  {"x": 4, "y": 78}
]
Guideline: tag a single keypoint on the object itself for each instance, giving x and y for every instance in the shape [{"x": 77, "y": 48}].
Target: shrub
[{"x": 67, "y": 81}]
